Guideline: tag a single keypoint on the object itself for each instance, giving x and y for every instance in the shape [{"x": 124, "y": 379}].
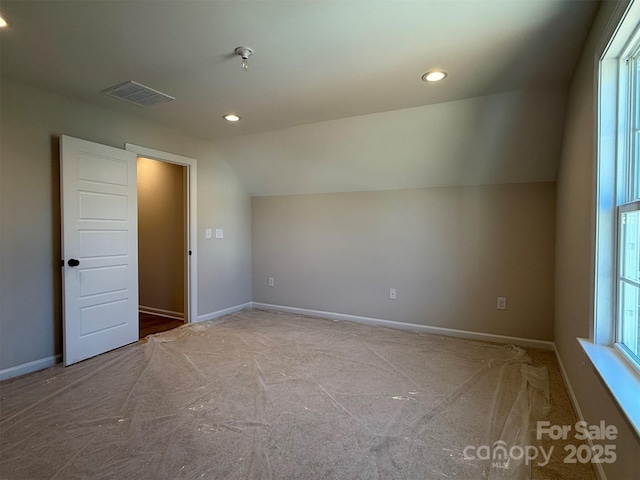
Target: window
[
  {"x": 627, "y": 327},
  {"x": 617, "y": 286},
  {"x": 614, "y": 346}
]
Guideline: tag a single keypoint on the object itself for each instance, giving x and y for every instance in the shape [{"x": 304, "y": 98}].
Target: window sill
[{"x": 622, "y": 380}]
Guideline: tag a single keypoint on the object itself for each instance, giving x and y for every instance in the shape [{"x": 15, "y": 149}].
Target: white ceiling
[{"x": 313, "y": 61}]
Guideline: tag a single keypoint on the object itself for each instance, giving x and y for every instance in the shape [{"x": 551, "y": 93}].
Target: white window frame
[
  {"x": 630, "y": 355},
  {"x": 627, "y": 183},
  {"x": 619, "y": 371}
]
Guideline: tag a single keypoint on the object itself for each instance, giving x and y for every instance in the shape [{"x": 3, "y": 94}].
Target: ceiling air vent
[{"x": 134, "y": 92}]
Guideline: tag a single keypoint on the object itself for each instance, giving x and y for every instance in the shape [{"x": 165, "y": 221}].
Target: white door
[{"x": 99, "y": 248}]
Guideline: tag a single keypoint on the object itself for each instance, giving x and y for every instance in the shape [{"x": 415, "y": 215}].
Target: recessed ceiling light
[
  {"x": 3, "y": 22},
  {"x": 231, "y": 117},
  {"x": 434, "y": 76}
]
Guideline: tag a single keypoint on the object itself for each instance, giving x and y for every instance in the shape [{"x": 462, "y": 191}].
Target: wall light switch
[
  {"x": 392, "y": 293},
  {"x": 207, "y": 233},
  {"x": 219, "y": 233},
  {"x": 271, "y": 282},
  {"x": 501, "y": 303}
]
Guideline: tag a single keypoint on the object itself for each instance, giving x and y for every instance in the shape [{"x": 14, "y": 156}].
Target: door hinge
[{"x": 62, "y": 262}]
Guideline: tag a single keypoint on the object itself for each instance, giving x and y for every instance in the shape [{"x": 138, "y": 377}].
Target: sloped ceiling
[
  {"x": 314, "y": 61},
  {"x": 511, "y": 137}
]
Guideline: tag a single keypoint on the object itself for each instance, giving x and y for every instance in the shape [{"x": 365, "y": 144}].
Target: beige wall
[
  {"x": 161, "y": 235},
  {"x": 31, "y": 121},
  {"x": 574, "y": 251},
  {"x": 449, "y": 252}
]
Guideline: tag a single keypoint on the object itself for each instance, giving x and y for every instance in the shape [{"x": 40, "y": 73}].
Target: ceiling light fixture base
[{"x": 244, "y": 53}]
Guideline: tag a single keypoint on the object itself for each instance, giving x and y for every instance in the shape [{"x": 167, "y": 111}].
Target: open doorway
[
  {"x": 162, "y": 239},
  {"x": 190, "y": 253}
]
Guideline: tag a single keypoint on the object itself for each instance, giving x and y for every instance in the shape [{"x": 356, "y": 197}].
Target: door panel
[
  {"x": 99, "y": 229},
  {"x": 93, "y": 244},
  {"x": 94, "y": 206},
  {"x": 102, "y": 280}
]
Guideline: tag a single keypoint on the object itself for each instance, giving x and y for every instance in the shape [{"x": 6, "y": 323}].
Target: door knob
[{"x": 73, "y": 262}]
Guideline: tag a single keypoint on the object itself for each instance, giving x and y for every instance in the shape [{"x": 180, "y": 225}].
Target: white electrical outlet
[
  {"x": 271, "y": 282},
  {"x": 392, "y": 293},
  {"x": 501, "y": 303},
  {"x": 207, "y": 233},
  {"x": 219, "y": 233}
]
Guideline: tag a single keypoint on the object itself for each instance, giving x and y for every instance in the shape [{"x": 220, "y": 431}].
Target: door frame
[{"x": 191, "y": 280}]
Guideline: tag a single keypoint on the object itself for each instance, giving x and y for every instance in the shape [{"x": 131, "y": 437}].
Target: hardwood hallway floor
[{"x": 150, "y": 324}]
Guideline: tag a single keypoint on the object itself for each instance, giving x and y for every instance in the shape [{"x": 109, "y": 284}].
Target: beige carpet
[{"x": 271, "y": 395}]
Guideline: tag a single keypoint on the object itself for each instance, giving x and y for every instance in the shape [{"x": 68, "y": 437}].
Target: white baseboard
[
  {"x": 29, "y": 367},
  {"x": 43, "y": 363},
  {"x": 576, "y": 406},
  {"x": 220, "y": 313},
  {"x": 161, "y": 312},
  {"x": 487, "y": 337}
]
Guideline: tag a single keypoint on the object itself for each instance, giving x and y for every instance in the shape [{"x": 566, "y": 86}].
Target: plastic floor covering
[{"x": 267, "y": 395}]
